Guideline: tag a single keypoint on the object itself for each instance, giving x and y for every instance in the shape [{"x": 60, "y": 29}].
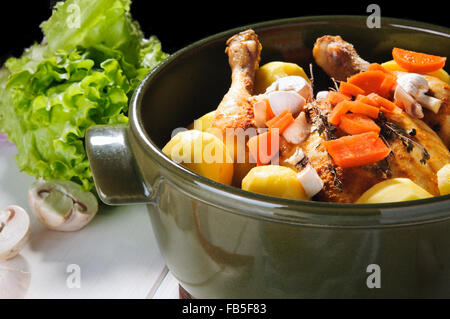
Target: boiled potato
[
  {"x": 203, "y": 153},
  {"x": 204, "y": 123},
  {"x": 274, "y": 180},
  {"x": 270, "y": 72},
  {"x": 393, "y": 190},
  {"x": 443, "y": 177},
  {"x": 441, "y": 74}
]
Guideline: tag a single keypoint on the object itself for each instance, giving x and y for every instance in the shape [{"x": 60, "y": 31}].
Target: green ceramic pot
[{"x": 222, "y": 242}]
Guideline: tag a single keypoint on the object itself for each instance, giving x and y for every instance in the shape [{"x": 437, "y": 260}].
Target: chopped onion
[
  {"x": 310, "y": 180},
  {"x": 298, "y": 131},
  {"x": 282, "y": 100},
  {"x": 292, "y": 83},
  {"x": 322, "y": 95}
]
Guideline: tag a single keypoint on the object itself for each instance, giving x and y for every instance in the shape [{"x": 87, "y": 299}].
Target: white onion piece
[
  {"x": 282, "y": 100},
  {"x": 292, "y": 83},
  {"x": 298, "y": 131},
  {"x": 310, "y": 180},
  {"x": 322, "y": 95}
]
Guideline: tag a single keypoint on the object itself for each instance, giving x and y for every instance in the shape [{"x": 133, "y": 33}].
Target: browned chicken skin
[
  {"x": 346, "y": 185},
  {"x": 234, "y": 111}
]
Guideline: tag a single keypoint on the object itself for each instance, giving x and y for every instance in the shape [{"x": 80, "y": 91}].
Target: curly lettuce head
[{"x": 83, "y": 75}]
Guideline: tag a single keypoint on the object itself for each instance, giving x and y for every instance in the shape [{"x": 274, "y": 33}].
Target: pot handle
[{"x": 116, "y": 175}]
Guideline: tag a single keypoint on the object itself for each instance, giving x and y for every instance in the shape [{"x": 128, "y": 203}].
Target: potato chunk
[
  {"x": 443, "y": 177},
  {"x": 393, "y": 190},
  {"x": 274, "y": 180},
  {"x": 203, "y": 153},
  {"x": 204, "y": 123},
  {"x": 270, "y": 72}
]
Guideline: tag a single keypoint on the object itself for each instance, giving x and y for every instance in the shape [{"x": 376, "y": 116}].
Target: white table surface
[{"x": 116, "y": 253}]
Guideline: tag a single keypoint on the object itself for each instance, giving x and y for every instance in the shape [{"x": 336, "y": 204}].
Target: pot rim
[{"x": 310, "y": 213}]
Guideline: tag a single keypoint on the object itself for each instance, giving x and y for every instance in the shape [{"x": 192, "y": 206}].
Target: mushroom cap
[
  {"x": 15, "y": 278},
  {"x": 413, "y": 83},
  {"x": 62, "y": 205},
  {"x": 14, "y": 231}
]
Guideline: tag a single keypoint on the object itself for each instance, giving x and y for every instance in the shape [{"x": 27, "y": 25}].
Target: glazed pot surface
[{"x": 221, "y": 242}]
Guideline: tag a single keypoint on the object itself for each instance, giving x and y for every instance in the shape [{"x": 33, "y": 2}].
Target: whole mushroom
[
  {"x": 416, "y": 85},
  {"x": 62, "y": 205},
  {"x": 14, "y": 231}
]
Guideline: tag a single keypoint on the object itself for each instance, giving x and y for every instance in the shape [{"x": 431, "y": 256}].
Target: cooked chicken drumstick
[
  {"x": 337, "y": 57},
  {"x": 340, "y": 60},
  {"x": 234, "y": 111}
]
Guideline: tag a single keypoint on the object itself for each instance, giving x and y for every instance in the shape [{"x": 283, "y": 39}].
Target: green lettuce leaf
[
  {"x": 54, "y": 106},
  {"x": 87, "y": 23}
]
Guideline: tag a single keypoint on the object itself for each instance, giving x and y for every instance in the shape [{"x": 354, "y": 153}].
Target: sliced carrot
[
  {"x": 366, "y": 109},
  {"x": 367, "y": 100},
  {"x": 357, "y": 150},
  {"x": 369, "y": 81},
  {"x": 387, "y": 86},
  {"x": 281, "y": 121},
  {"x": 357, "y": 124},
  {"x": 418, "y": 62},
  {"x": 350, "y": 89},
  {"x": 336, "y": 97},
  {"x": 340, "y": 109},
  {"x": 382, "y": 102},
  {"x": 264, "y": 147},
  {"x": 379, "y": 67}
]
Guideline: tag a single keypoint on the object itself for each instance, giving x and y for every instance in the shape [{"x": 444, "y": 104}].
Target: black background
[{"x": 178, "y": 24}]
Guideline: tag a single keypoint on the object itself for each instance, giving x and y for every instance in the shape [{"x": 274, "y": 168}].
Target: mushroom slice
[
  {"x": 14, "y": 231},
  {"x": 417, "y": 86},
  {"x": 412, "y": 107},
  {"x": 15, "y": 278},
  {"x": 62, "y": 205}
]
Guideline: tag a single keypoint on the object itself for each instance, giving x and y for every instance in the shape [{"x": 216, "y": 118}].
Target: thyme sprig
[{"x": 390, "y": 130}]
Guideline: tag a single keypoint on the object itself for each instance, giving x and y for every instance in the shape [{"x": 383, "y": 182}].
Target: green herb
[{"x": 391, "y": 130}]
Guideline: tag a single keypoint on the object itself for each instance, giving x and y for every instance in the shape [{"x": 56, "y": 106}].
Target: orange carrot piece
[
  {"x": 350, "y": 89},
  {"x": 357, "y": 150},
  {"x": 387, "y": 86},
  {"x": 369, "y": 81},
  {"x": 357, "y": 124},
  {"x": 281, "y": 122},
  {"x": 418, "y": 62},
  {"x": 340, "y": 109},
  {"x": 367, "y": 100},
  {"x": 382, "y": 102},
  {"x": 366, "y": 109},
  {"x": 336, "y": 97},
  {"x": 379, "y": 67},
  {"x": 269, "y": 112},
  {"x": 264, "y": 147}
]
